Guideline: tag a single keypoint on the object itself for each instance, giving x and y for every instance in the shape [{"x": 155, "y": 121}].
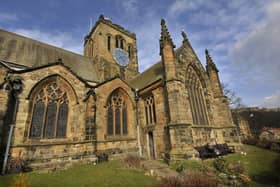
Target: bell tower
[{"x": 114, "y": 48}]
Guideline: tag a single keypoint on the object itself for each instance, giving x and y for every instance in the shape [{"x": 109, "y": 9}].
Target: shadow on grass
[{"x": 267, "y": 178}]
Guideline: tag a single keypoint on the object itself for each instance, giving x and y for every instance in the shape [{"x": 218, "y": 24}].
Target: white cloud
[
  {"x": 254, "y": 56},
  {"x": 257, "y": 51},
  {"x": 179, "y": 6},
  {"x": 272, "y": 101},
  {"x": 130, "y": 6},
  {"x": 59, "y": 39},
  {"x": 6, "y": 17}
]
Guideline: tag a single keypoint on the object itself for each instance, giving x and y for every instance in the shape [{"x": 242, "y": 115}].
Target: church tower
[{"x": 113, "y": 49}]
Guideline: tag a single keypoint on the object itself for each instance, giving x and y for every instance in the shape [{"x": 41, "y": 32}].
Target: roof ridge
[{"x": 40, "y": 42}]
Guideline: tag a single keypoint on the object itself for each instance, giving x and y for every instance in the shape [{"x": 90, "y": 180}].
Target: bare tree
[{"x": 233, "y": 100}]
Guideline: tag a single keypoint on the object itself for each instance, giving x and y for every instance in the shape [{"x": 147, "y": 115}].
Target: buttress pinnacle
[
  {"x": 165, "y": 36},
  {"x": 209, "y": 62}
]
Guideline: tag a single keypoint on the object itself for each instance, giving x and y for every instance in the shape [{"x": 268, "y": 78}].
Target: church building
[{"x": 58, "y": 107}]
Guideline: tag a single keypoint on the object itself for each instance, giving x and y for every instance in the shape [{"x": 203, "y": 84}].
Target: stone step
[{"x": 59, "y": 164}]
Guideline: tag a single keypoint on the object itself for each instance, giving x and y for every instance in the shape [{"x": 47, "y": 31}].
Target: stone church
[{"x": 59, "y": 107}]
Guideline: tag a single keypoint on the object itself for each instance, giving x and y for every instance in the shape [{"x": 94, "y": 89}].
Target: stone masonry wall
[{"x": 117, "y": 143}]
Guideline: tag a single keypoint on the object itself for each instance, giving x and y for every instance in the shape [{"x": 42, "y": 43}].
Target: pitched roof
[
  {"x": 27, "y": 52},
  {"x": 148, "y": 77}
]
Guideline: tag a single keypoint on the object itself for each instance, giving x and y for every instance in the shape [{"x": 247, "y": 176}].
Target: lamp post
[{"x": 252, "y": 117}]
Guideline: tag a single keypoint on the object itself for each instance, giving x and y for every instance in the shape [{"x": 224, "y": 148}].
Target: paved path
[{"x": 158, "y": 169}]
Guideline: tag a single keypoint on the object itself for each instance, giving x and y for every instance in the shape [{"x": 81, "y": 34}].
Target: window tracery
[
  {"x": 49, "y": 112},
  {"x": 117, "y": 114},
  {"x": 196, "y": 98},
  {"x": 150, "y": 111}
]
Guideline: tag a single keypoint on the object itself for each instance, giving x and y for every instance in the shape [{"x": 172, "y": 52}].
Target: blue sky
[{"x": 241, "y": 35}]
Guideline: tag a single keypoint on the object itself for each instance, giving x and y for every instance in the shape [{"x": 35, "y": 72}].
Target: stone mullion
[
  {"x": 200, "y": 106},
  {"x": 195, "y": 105},
  {"x": 121, "y": 119},
  {"x": 203, "y": 106},
  {"x": 44, "y": 115},
  {"x": 113, "y": 118},
  {"x": 191, "y": 102},
  {"x": 56, "y": 118}
]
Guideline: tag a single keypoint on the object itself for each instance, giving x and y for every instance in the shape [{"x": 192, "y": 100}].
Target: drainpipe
[
  {"x": 137, "y": 123},
  {"x": 7, "y": 149},
  {"x": 15, "y": 87},
  {"x": 10, "y": 138}
]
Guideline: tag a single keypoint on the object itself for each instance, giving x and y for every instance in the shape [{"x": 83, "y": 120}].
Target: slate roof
[
  {"x": 148, "y": 77},
  {"x": 16, "y": 49}
]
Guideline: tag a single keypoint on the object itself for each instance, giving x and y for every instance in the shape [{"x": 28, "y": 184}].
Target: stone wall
[
  {"x": 76, "y": 145},
  {"x": 158, "y": 129},
  {"x": 3, "y": 106},
  {"x": 104, "y": 141},
  {"x": 37, "y": 149}
]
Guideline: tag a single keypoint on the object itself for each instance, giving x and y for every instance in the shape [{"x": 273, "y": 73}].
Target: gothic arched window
[
  {"x": 150, "y": 110},
  {"x": 49, "y": 112},
  {"x": 117, "y": 114},
  {"x": 196, "y": 98}
]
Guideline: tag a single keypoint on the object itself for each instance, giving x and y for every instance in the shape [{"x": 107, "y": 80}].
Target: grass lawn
[
  {"x": 107, "y": 174},
  {"x": 258, "y": 165}
]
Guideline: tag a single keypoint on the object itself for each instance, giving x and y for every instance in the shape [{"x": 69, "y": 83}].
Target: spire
[
  {"x": 165, "y": 36},
  {"x": 209, "y": 62}
]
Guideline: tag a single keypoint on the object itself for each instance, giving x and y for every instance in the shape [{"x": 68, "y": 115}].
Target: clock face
[{"x": 121, "y": 56}]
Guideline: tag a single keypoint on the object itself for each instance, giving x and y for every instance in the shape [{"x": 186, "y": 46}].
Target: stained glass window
[
  {"x": 117, "y": 123},
  {"x": 124, "y": 117},
  {"x": 110, "y": 121},
  {"x": 50, "y": 112},
  {"x": 62, "y": 120},
  {"x": 196, "y": 98},
  {"x": 37, "y": 119},
  {"x": 50, "y": 119}
]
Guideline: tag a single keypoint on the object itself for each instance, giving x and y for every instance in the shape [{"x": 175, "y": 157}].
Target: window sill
[
  {"x": 117, "y": 137},
  {"x": 50, "y": 142}
]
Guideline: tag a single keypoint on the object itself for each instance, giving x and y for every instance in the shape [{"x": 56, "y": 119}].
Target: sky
[{"x": 242, "y": 36}]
